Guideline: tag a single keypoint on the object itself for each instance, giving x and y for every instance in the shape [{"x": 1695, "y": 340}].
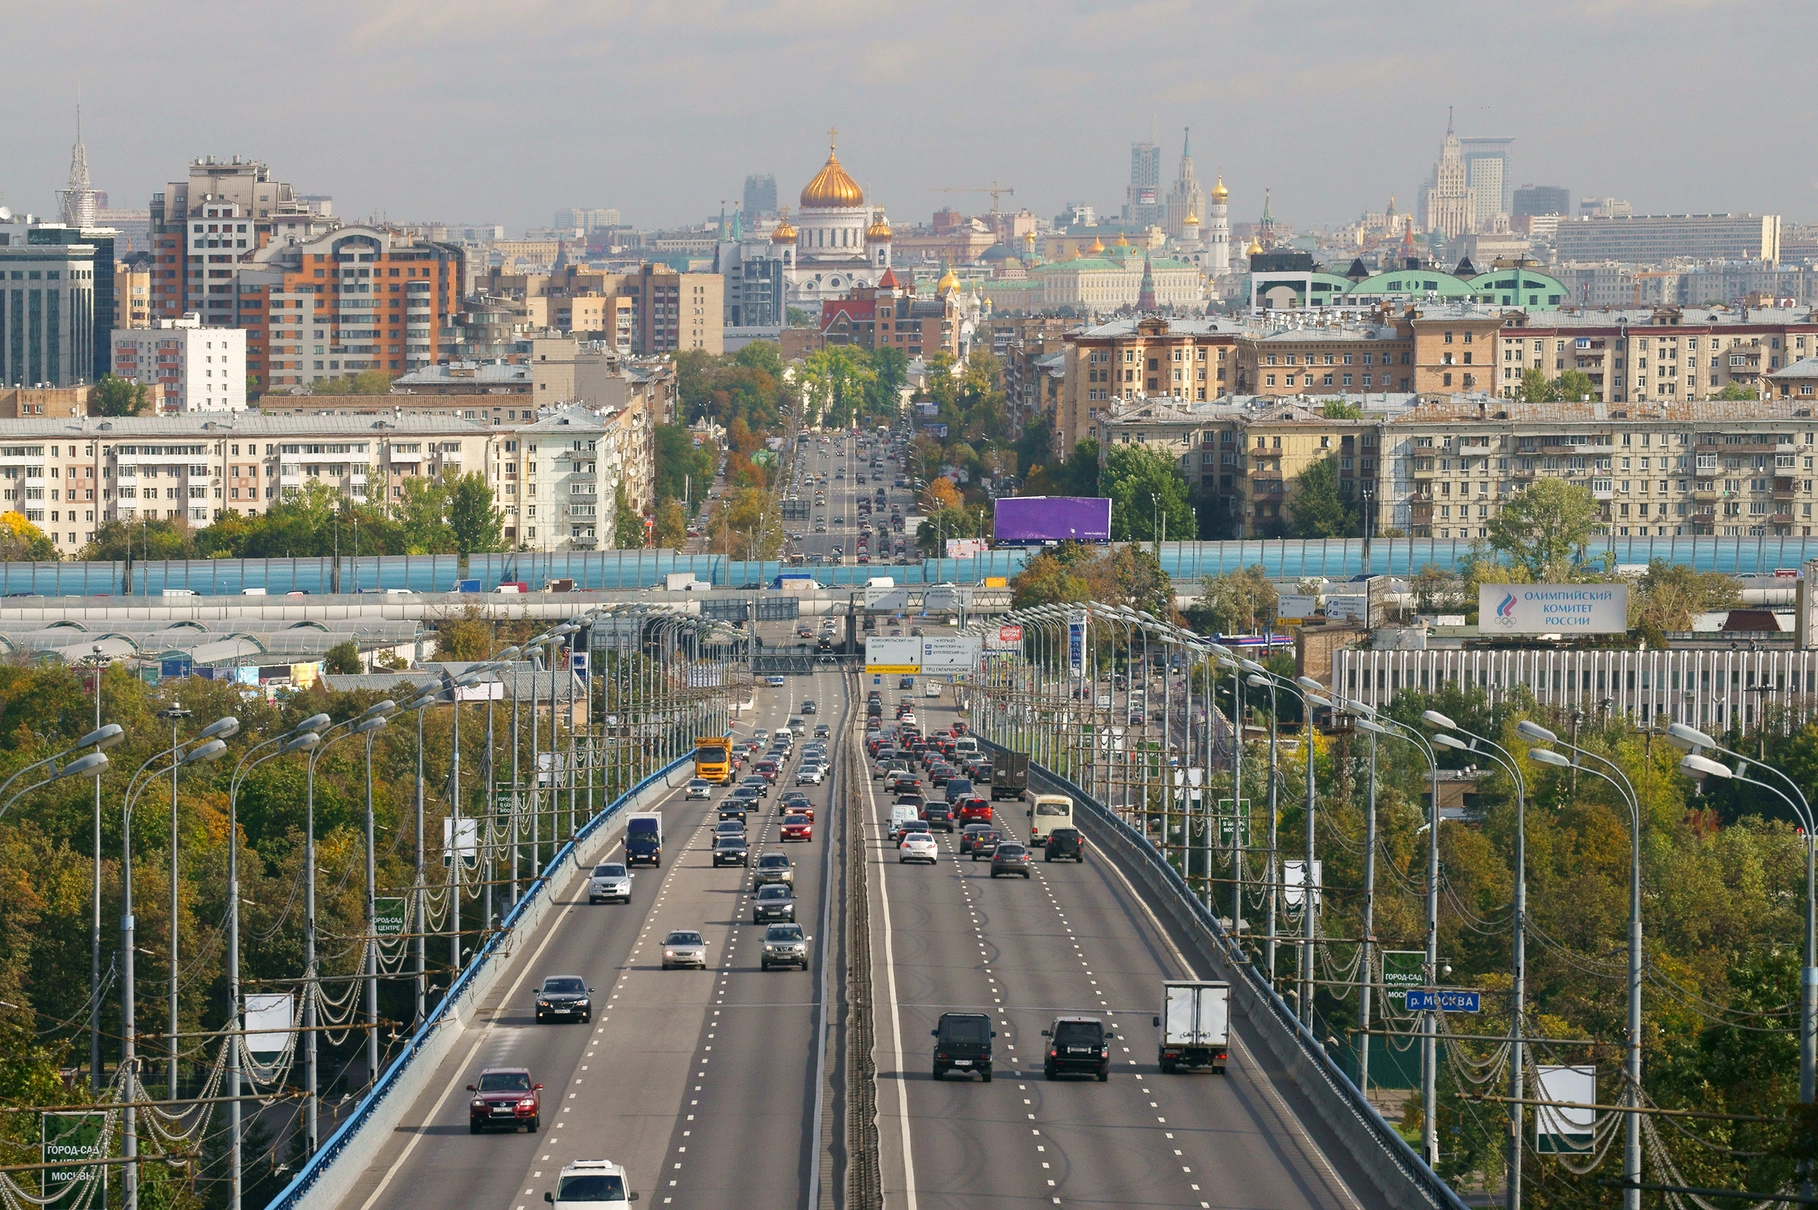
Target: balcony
[
  {"x": 1782, "y": 518},
  {"x": 1707, "y": 496},
  {"x": 1479, "y": 449},
  {"x": 1766, "y": 446},
  {"x": 1785, "y": 493}
]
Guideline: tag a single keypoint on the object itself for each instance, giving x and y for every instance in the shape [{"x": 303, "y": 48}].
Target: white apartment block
[{"x": 188, "y": 367}]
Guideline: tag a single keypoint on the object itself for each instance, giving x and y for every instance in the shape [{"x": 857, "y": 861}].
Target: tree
[
  {"x": 1436, "y": 590},
  {"x": 118, "y": 397},
  {"x": 1544, "y": 526},
  {"x": 23, "y": 542},
  {"x": 466, "y": 637},
  {"x": 627, "y": 522},
  {"x": 343, "y": 658},
  {"x": 1234, "y": 602},
  {"x": 1536, "y": 387},
  {"x": 1148, "y": 495},
  {"x": 147, "y": 539},
  {"x": 671, "y": 525},
  {"x": 1737, "y": 390},
  {"x": 941, "y": 495},
  {"x": 1052, "y": 578},
  {"x": 1340, "y": 409},
  {"x": 955, "y": 522},
  {"x": 683, "y": 469},
  {"x": 1318, "y": 510},
  {"x": 1132, "y": 576},
  {"x": 1668, "y": 594},
  {"x": 422, "y": 515},
  {"x": 365, "y": 382},
  {"x": 478, "y": 526}
]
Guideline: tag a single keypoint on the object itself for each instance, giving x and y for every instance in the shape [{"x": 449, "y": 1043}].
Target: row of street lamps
[{"x": 1051, "y": 625}]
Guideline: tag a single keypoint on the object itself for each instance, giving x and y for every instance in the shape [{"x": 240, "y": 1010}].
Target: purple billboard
[{"x": 1045, "y": 520}]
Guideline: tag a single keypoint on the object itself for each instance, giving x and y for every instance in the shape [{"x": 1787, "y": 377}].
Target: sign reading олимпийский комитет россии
[{"x": 1552, "y": 608}]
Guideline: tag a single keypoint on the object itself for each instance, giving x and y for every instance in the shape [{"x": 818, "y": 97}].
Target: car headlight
[
  {"x": 527, "y": 1103},
  {"x": 668, "y": 953},
  {"x": 478, "y": 1104}
]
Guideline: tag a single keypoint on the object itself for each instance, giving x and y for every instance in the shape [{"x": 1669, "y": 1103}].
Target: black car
[
  {"x": 982, "y": 843},
  {"x": 938, "y": 815},
  {"x": 775, "y": 902},
  {"x": 1078, "y": 1045},
  {"x": 1065, "y": 844},
  {"x": 732, "y": 850},
  {"x": 971, "y": 833},
  {"x": 1008, "y": 859},
  {"x": 962, "y": 1042},
  {"x": 808, "y": 706},
  {"x": 564, "y": 998},
  {"x": 736, "y": 808}
]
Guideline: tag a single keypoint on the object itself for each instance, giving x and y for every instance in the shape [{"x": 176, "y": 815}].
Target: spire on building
[
  {"x": 78, "y": 199},
  {"x": 1145, "y": 295}
]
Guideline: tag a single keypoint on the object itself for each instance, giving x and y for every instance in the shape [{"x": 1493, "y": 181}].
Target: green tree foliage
[
  {"x": 1318, "y": 509},
  {"x": 1237, "y": 602},
  {"x": 343, "y": 658},
  {"x": 746, "y": 385},
  {"x": 1737, "y": 390},
  {"x": 1053, "y": 577},
  {"x": 366, "y": 382},
  {"x": 627, "y": 522},
  {"x": 140, "y": 540},
  {"x": 1544, "y": 527},
  {"x": 671, "y": 525},
  {"x": 681, "y": 466},
  {"x": 478, "y": 526},
  {"x": 1145, "y": 487},
  {"x": 1536, "y": 387},
  {"x": 958, "y": 521},
  {"x": 1668, "y": 594},
  {"x": 747, "y": 524},
  {"x": 1340, "y": 409},
  {"x": 1072, "y": 572},
  {"x": 835, "y": 380},
  {"x": 118, "y": 397}
]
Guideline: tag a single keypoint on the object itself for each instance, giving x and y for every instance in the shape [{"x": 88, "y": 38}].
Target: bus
[
  {"x": 713, "y": 759},
  {"x": 1046, "y": 813}
]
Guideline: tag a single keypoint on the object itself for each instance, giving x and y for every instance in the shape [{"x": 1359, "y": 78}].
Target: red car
[
  {"x": 975, "y": 810},
  {"x": 765, "y": 769},
  {"x": 798, "y": 827},
  {"x": 506, "y": 1097}
]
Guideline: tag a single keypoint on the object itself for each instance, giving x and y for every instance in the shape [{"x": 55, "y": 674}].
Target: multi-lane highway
[
  {"x": 1071, "y": 940},
  {"x": 830, "y": 473},
  {"x": 701, "y": 1083}
]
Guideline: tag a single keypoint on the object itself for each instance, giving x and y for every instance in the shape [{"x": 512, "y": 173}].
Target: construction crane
[{"x": 994, "y": 189}]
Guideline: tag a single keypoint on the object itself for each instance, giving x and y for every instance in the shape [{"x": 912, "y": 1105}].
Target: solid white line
[{"x": 896, "y": 1024}]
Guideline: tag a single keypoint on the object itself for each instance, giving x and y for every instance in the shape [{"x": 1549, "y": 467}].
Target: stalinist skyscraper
[{"x": 1186, "y": 198}]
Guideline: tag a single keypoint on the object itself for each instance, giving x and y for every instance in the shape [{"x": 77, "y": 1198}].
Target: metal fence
[{"x": 1711, "y": 690}]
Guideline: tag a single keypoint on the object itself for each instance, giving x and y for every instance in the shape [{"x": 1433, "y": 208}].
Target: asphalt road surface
[
  {"x": 1071, "y": 940},
  {"x": 701, "y": 1083}
]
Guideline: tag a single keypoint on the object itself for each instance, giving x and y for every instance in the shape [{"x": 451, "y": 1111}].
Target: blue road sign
[{"x": 1425, "y": 1000}]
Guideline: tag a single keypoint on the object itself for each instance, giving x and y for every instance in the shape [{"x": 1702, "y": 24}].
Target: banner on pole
[
  {"x": 1402, "y": 971},
  {"x": 65, "y": 1137},
  {"x": 1076, "y": 641},
  {"x": 462, "y": 836},
  {"x": 389, "y": 917},
  {"x": 270, "y": 1018},
  {"x": 1558, "y": 1128},
  {"x": 1294, "y": 882}
]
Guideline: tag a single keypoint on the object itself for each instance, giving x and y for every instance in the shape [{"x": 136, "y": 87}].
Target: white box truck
[{"x": 1195, "y": 1024}]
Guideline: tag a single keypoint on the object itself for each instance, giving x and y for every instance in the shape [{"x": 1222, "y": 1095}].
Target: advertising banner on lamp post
[
  {"x": 67, "y": 1137},
  {"x": 1565, "y": 1128},
  {"x": 1076, "y": 641}
]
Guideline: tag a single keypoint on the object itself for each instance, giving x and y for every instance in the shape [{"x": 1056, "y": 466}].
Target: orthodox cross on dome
[{"x": 833, "y": 134}]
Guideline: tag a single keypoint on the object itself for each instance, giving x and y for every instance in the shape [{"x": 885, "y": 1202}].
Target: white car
[
  {"x": 918, "y": 846},
  {"x": 908, "y": 719},
  {"x": 932, "y": 689},
  {"x": 591, "y": 1185},
  {"x": 699, "y": 787},
  {"x": 609, "y": 882},
  {"x": 811, "y": 775}
]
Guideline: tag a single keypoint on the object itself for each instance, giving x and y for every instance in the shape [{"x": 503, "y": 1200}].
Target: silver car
[
  {"x": 785, "y": 945},
  {"x": 608, "y": 883},
  {"x": 775, "y": 904},
  {"x": 774, "y": 867},
  {"x": 683, "y": 948}
]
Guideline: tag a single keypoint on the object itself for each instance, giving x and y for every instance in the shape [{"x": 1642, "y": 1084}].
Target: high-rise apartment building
[
  {"x": 760, "y": 197},
  {"x": 1142, "y": 200},
  {"x": 132, "y": 290},
  {"x": 585, "y": 220},
  {"x": 1652, "y": 238},
  {"x": 1531, "y": 200},
  {"x": 1486, "y": 161},
  {"x": 188, "y": 367}
]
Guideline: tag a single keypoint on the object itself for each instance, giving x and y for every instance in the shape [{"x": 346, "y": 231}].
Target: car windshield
[
  {"x": 793, "y": 820},
  {"x": 591, "y": 1187},
  {"x": 1078, "y": 1033},
  {"x": 682, "y": 938},
  {"x": 1009, "y": 850},
  {"x": 774, "y": 890},
  {"x": 1052, "y": 808},
  {"x": 699, "y": 781},
  {"x": 773, "y": 863},
  {"x": 505, "y": 1081},
  {"x": 732, "y": 827},
  {"x": 730, "y": 842},
  {"x": 967, "y": 1029},
  {"x": 784, "y": 932},
  {"x": 565, "y": 987},
  {"x": 609, "y": 871}
]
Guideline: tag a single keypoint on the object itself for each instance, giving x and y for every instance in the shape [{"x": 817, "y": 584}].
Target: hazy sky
[{"x": 505, "y": 110}]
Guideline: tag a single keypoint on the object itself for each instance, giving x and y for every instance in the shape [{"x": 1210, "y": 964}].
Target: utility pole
[
  {"x": 94, "y": 957},
  {"x": 176, "y": 714}
]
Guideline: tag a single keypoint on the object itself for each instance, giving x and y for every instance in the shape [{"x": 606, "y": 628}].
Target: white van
[
  {"x": 965, "y": 745},
  {"x": 900, "y": 815},
  {"x": 1048, "y": 812}
]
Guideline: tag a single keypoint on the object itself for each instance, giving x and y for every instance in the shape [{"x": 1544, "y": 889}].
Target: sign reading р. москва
[{"x": 1552, "y": 608}]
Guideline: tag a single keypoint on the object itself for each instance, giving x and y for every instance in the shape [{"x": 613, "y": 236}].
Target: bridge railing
[
  {"x": 1399, "y": 1174},
  {"x": 328, "y": 1176}
]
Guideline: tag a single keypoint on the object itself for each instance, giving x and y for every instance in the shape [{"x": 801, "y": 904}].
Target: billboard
[
  {"x": 270, "y": 1017},
  {"x": 1044, "y": 520},
  {"x": 966, "y": 548},
  {"x": 1295, "y": 605},
  {"x": 1004, "y": 638},
  {"x": 899, "y": 656},
  {"x": 949, "y": 652},
  {"x": 72, "y": 1139},
  {"x": 1570, "y": 1125},
  {"x": 1552, "y": 608}
]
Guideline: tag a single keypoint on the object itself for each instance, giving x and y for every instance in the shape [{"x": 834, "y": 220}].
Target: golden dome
[
  {"x": 879, "y": 231},
  {"x": 1121, "y": 241},
  {"x": 1192, "y": 220},
  {"x": 1219, "y": 192},
  {"x": 1098, "y": 246},
  {"x": 949, "y": 281},
  {"x": 1255, "y": 248},
  {"x": 783, "y": 232},
  {"x": 831, "y": 187}
]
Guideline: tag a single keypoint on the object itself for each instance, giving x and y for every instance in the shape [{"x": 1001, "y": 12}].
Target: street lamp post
[
  {"x": 176, "y": 714},
  {"x": 1612, "y": 773}
]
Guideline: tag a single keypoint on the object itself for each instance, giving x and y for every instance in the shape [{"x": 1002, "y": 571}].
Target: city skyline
[{"x": 474, "y": 141}]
